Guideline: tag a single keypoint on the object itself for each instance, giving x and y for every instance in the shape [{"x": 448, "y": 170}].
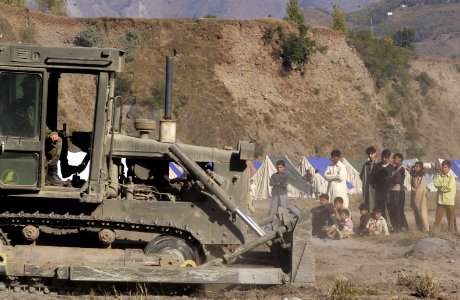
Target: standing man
[
  {"x": 336, "y": 176},
  {"x": 365, "y": 176},
  {"x": 380, "y": 181},
  {"x": 279, "y": 182},
  {"x": 397, "y": 197},
  {"x": 445, "y": 198}
]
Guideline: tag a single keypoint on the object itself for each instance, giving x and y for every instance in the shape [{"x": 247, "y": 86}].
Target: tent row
[{"x": 261, "y": 172}]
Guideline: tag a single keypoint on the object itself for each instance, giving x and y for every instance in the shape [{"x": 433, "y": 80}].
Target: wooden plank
[
  {"x": 302, "y": 255},
  {"x": 270, "y": 276}
]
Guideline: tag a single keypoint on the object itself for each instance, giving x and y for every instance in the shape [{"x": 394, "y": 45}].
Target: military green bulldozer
[{"x": 128, "y": 221}]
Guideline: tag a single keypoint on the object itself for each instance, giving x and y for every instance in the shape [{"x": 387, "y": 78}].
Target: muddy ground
[{"x": 374, "y": 267}]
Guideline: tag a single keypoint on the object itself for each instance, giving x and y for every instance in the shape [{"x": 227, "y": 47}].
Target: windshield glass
[{"x": 20, "y": 96}]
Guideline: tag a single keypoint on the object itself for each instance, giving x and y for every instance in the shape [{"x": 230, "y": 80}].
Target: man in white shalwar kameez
[{"x": 336, "y": 177}]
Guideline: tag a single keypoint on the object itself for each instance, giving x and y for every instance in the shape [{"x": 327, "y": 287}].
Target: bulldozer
[{"x": 128, "y": 221}]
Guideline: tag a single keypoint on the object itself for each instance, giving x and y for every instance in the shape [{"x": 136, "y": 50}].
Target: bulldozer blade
[{"x": 302, "y": 257}]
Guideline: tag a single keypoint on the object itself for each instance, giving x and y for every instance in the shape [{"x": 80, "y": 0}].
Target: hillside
[
  {"x": 436, "y": 26},
  {"x": 229, "y": 86},
  {"x": 239, "y": 9},
  {"x": 235, "y": 9}
]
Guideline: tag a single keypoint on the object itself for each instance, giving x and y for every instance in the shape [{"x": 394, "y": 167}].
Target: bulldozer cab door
[{"x": 21, "y": 128}]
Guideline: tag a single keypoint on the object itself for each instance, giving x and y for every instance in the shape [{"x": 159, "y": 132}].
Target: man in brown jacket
[{"x": 418, "y": 196}]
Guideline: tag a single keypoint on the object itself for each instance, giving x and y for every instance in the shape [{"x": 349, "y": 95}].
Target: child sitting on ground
[
  {"x": 322, "y": 215},
  {"x": 363, "y": 220},
  {"x": 338, "y": 205},
  {"x": 377, "y": 224},
  {"x": 343, "y": 229}
]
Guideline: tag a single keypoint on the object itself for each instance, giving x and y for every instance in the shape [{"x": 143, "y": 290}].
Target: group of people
[
  {"x": 383, "y": 196},
  {"x": 383, "y": 187}
]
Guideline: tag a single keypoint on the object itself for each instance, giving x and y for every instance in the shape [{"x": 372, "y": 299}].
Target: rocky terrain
[{"x": 230, "y": 86}]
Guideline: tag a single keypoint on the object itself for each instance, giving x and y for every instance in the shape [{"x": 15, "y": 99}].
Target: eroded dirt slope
[{"x": 229, "y": 86}]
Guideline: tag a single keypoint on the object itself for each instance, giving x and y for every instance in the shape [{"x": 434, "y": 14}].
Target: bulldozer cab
[{"x": 30, "y": 93}]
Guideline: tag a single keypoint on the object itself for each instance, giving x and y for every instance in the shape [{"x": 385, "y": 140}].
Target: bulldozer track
[
  {"x": 43, "y": 286},
  {"x": 68, "y": 221}
]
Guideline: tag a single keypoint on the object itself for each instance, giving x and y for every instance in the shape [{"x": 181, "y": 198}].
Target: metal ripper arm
[{"x": 212, "y": 186}]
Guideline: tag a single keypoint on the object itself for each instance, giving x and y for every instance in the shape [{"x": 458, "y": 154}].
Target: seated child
[
  {"x": 322, "y": 215},
  {"x": 343, "y": 229},
  {"x": 363, "y": 220},
  {"x": 377, "y": 224},
  {"x": 338, "y": 205}
]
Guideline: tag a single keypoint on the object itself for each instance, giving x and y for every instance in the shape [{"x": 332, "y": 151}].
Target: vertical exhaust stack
[{"x": 168, "y": 125}]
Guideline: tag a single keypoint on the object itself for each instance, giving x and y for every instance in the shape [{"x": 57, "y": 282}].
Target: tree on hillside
[
  {"x": 294, "y": 12},
  {"x": 405, "y": 38},
  {"x": 52, "y": 6},
  {"x": 338, "y": 20},
  {"x": 297, "y": 50},
  {"x": 14, "y": 2}
]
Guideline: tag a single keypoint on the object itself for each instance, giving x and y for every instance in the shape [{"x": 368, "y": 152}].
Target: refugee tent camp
[
  {"x": 321, "y": 163},
  {"x": 296, "y": 183},
  {"x": 254, "y": 166},
  {"x": 353, "y": 177}
]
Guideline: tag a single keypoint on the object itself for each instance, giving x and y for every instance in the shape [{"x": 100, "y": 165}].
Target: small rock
[{"x": 431, "y": 246}]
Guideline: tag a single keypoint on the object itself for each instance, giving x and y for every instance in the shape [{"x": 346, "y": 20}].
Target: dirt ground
[{"x": 371, "y": 265}]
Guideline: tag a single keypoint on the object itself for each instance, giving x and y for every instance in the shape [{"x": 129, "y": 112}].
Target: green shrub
[
  {"x": 423, "y": 285},
  {"x": 131, "y": 39},
  {"x": 393, "y": 112},
  {"x": 296, "y": 50},
  {"x": 426, "y": 82},
  {"x": 28, "y": 34},
  {"x": 57, "y": 7},
  {"x": 412, "y": 134},
  {"x": 210, "y": 17},
  {"x": 14, "y": 2},
  {"x": 91, "y": 36},
  {"x": 384, "y": 60},
  {"x": 323, "y": 49},
  {"x": 268, "y": 35},
  {"x": 157, "y": 94},
  {"x": 405, "y": 38},
  {"x": 344, "y": 289},
  {"x": 294, "y": 12},
  {"x": 338, "y": 20},
  {"x": 123, "y": 85}
]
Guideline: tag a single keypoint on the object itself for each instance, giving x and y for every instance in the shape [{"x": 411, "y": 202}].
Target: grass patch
[
  {"x": 424, "y": 285},
  {"x": 345, "y": 289}
]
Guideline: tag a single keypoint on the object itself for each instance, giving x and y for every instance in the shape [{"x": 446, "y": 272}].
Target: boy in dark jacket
[
  {"x": 322, "y": 215},
  {"x": 361, "y": 230},
  {"x": 279, "y": 184}
]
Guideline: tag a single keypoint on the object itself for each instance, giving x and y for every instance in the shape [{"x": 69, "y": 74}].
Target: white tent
[
  {"x": 304, "y": 166},
  {"x": 353, "y": 177},
  {"x": 262, "y": 179},
  {"x": 354, "y": 184}
]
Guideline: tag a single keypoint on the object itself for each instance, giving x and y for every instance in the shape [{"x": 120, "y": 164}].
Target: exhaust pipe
[
  {"x": 168, "y": 88},
  {"x": 168, "y": 125}
]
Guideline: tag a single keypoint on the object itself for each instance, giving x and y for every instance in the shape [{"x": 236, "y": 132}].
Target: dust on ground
[{"x": 372, "y": 264}]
